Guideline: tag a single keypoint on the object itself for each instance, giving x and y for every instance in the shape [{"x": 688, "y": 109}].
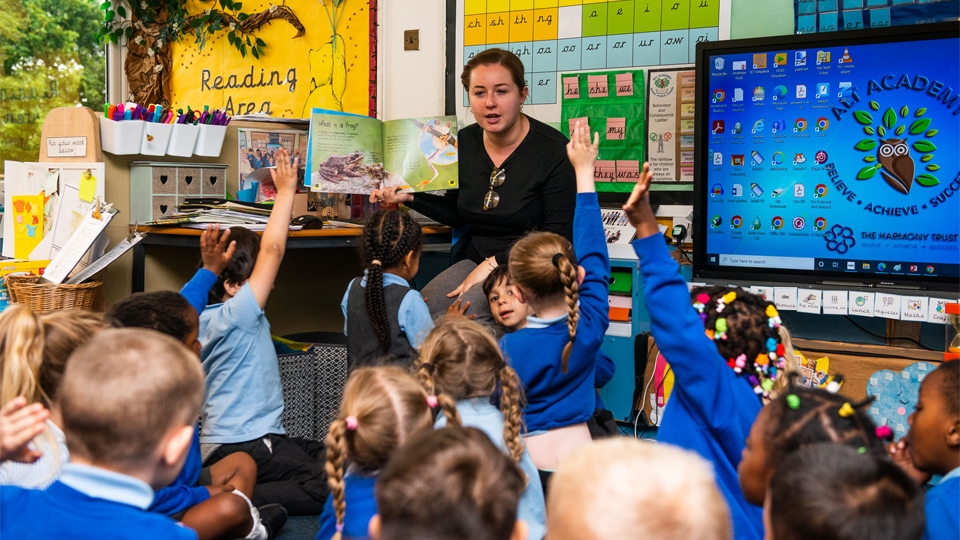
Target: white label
[
  {"x": 834, "y": 302},
  {"x": 763, "y": 292},
  {"x": 808, "y": 301},
  {"x": 913, "y": 308},
  {"x": 66, "y": 147},
  {"x": 785, "y": 298},
  {"x": 860, "y": 303},
  {"x": 938, "y": 310},
  {"x": 887, "y": 306}
]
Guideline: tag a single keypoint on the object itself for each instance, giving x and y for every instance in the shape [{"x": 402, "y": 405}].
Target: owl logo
[{"x": 897, "y": 166}]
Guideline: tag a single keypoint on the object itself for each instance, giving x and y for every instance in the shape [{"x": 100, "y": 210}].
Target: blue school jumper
[
  {"x": 86, "y": 503},
  {"x": 942, "y": 509},
  {"x": 556, "y": 399},
  {"x": 711, "y": 408},
  {"x": 361, "y": 506}
]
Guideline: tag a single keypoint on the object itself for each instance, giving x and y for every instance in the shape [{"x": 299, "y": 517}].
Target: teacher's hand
[
  {"x": 390, "y": 195},
  {"x": 476, "y": 277}
]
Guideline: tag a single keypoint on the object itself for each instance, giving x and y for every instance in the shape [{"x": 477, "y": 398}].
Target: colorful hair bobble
[
  {"x": 740, "y": 363},
  {"x": 833, "y": 386},
  {"x": 781, "y": 350},
  {"x": 767, "y": 385},
  {"x": 793, "y": 402},
  {"x": 729, "y": 297},
  {"x": 710, "y": 333},
  {"x": 772, "y": 344},
  {"x": 340, "y": 528},
  {"x": 703, "y": 298},
  {"x": 862, "y": 450},
  {"x": 432, "y": 401},
  {"x": 846, "y": 410},
  {"x": 773, "y": 316},
  {"x": 375, "y": 262},
  {"x": 721, "y": 326},
  {"x": 351, "y": 422},
  {"x": 884, "y": 432}
]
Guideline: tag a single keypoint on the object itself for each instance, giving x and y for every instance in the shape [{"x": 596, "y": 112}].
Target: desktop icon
[
  {"x": 718, "y": 95},
  {"x": 757, "y": 127},
  {"x": 760, "y": 61},
  {"x": 779, "y": 92},
  {"x": 822, "y": 124},
  {"x": 798, "y": 223},
  {"x": 866, "y": 266},
  {"x": 717, "y": 158},
  {"x": 799, "y": 158},
  {"x": 737, "y": 128},
  {"x": 779, "y": 59},
  {"x": 737, "y": 95},
  {"x": 913, "y": 268},
  {"x": 846, "y": 58},
  {"x": 756, "y": 158},
  {"x": 820, "y": 191},
  {"x": 758, "y": 93},
  {"x": 739, "y": 65},
  {"x": 736, "y": 191},
  {"x": 820, "y": 157},
  {"x": 799, "y": 191},
  {"x": 897, "y": 267},
  {"x": 820, "y": 224},
  {"x": 716, "y": 190},
  {"x": 717, "y": 127},
  {"x": 799, "y": 58},
  {"x": 851, "y": 265},
  {"x": 823, "y": 57},
  {"x": 882, "y": 267},
  {"x": 779, "y": 126},
  {"x": 777, "y": 193},
  {"x": 776, "y": 223},
  {"x": 736, "y": 160},
  {"x": 777, "y": 158},
  {"x": 800, "y": 124},
  {"x": 801, "y": 91},
  {"x": 823, "y": 90},
  {"x": 756, "y": 189},
  {"x": 718, "y": 63},
  {"x": 756, "y": 224},
  {"x": 929, "y": 269},
  {"x": 716, "y": 221},
  {"x": 736, "y": 222},
  {"x": 845, "y": 90}
]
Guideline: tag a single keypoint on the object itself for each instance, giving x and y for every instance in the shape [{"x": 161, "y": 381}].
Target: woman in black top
[{"x": 514, "y": 178}]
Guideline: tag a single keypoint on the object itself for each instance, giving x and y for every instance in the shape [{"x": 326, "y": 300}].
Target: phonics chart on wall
[{"x": 554, "y": 36}]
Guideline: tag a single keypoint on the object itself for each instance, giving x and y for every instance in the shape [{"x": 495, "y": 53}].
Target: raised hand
[
  {"x": 214, "y": 250},
  {"x": 285, "y": 174}
]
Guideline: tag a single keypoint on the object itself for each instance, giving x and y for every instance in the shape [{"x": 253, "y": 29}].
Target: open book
[{"x": 357, "y": 154}]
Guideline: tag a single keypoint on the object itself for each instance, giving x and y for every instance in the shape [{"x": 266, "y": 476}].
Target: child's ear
[
  {"x": 581, "y": 274},
  {"x": 176, "y": 444},
  {"x": 408, "y": 258},
  {"x": 953, "y": 434},
  {"x": 373, "y": 528},
  {"x": 231, "y": 288},
  {"x": 520, "y": 530}
]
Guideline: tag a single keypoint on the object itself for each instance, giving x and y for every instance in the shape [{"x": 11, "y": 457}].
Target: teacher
[{"x": 514, "y": 178}]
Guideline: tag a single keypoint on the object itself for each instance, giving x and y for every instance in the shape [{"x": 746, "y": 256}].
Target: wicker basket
[{"x": 47, "y": 297}]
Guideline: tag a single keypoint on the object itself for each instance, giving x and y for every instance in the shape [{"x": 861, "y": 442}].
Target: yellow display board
[{"x": 322, "y": 68}]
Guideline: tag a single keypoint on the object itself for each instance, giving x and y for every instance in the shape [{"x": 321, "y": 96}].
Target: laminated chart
[{"x": 552, "y": 36}]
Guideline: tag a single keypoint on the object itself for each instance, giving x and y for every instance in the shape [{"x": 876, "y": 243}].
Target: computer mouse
[{"x": 308, "y": 221}]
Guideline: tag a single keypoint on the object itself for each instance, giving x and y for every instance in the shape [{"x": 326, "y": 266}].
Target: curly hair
[{"x": 162, "y": 311}]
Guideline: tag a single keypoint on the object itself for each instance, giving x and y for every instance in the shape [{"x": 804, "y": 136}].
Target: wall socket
[{"x": 411, "y": 40}]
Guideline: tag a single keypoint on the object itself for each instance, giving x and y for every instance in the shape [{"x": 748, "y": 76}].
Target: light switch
[{"x": 411, "y": 40}]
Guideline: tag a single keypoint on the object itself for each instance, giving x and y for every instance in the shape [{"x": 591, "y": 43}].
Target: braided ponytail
[
  {"x": 510, "y": 405},
  {"x": 449, "y": 408},
  {"x": 336, "y": 452},
  {"x": 571, "y": 291}
]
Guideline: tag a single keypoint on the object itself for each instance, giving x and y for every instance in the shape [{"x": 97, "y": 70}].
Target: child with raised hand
[
  {"x": 214, "y": 501},
  {"x": 382, "y": 315},
  {"x": 932, "y": 446},
  {"x": 461, "y": 361},
  {"x": 833, "y": 492},
  {"x": 129, "y": 399},
  {"x": 451, "y": 483},
  {"x": 216, "y": 250},
  {"x": 382, "y": 408},
  {"x": 243, "y": 406},
  {"x": 800, "y": 417},
  {"x": 555, "y": 353},
  {"x": 650, "y": 488},
  {"x": 727, "y": 353}
]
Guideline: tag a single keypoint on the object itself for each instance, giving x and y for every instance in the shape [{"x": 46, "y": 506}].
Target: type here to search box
[{"x": 753, "y": 261}]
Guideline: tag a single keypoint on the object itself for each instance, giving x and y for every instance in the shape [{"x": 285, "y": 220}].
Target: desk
[{"x": 302, "y": 239}]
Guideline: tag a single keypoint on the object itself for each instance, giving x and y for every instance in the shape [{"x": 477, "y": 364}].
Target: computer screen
[{"x": 831, "y": 157}]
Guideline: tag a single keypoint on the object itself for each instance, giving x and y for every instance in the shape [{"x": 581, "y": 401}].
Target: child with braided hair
[
  {"x": 799, "y": 417},
  {"x": 382, "y": 408},
  {"x": 382, "y": 315},
  {"x": 460, "y": 360},
  {"x": 728, "y": 354},
  {"x": 555, "y": 354}
]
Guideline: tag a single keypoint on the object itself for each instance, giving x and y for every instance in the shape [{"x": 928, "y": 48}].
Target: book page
[
  {"x": 345, "y": 154},
  {"x": 421, "y": 154}
]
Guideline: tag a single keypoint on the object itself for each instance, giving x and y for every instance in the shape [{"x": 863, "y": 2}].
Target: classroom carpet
[{"x": 300, "y": 528}]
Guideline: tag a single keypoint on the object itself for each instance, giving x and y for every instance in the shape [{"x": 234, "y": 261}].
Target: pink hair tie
[
  {"x": 432, "y": 401},
  {"x": 351, "y": 422},
  {"x": 884, "y": 432},
  {"x": 340, "y": 528}
]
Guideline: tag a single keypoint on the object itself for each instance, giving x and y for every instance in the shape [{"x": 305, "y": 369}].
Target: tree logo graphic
[{"x": 894, "y": 137}]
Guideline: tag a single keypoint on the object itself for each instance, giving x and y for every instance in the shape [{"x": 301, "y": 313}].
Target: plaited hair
[
  {"x": 241, "y": 265},
  {"x": 459, "y": 359},
  {"x": 64, "y": 332},
  {"x": 450, "y": 472},
  {"x": 495, "y": 57},
  {"x": 162, "y": 311},
  {"x": 498, "y": 274},
  {"x": 389, "y": 406},
  {"x": 831, "y": 492},
  {"x": 532, "y": 269},
  {"x": 949, "y": 386},
  {"x": 748, "y": 329},
  {"x": 388, "y": 237}
]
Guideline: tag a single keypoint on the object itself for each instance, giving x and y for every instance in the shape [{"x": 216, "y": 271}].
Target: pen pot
[
  {"x": 183, "y": 140},
  {"x": 156, "y": 137},
  {"x": 121, "y": 137},
  {"x": 210, "y": 140}
]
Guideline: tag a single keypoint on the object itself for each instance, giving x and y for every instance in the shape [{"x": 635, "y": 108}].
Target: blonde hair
[
  {"x": 460, "y": 359},
  {"x": 382, "y": 407},
  {"x": 123, "y": 391},
  {"x": 21, "y": 348},
  {"x": 64, "y": 331},
  {"x": 543, "y": 265},
  {"x": 658, "y": 492}
]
